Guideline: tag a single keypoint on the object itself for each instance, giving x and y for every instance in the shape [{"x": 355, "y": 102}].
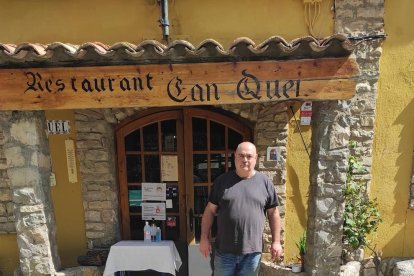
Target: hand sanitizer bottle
[
  {"x": 153, "y": 231},
  {"x": 158, "y": 234},
  {"x": 147, "y": 232}
]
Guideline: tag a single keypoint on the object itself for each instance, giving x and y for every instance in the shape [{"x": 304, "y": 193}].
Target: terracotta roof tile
[{"x": 151, "y": 51}]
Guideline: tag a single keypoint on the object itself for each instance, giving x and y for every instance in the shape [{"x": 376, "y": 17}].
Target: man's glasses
[{"x": 248, "y": 156}]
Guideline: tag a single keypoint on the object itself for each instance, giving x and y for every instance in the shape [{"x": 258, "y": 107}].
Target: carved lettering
[
  {"x": 34, "y": 80},
  {"x": 275, "y": 89},
  {"x": 289, "y": 85},
  {"x": 178, "y": 90},
  {"x": 245, "y": 92},
  {"x": 86, "y": 85},
  {"x": 72, "y": 81}
]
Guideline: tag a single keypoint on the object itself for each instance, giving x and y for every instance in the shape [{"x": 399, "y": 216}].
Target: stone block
[
  {"x": 350, "y": 269},
  {"x": 26, "y": 196},
  {"x": 95, "y": 226},
  {"x": 93, "y": 195},
  {"x": 97, "y": 155},
  {"x": 5, "y": 195},
  {"x": 100, "y": 205},
  {"x": 324, "y": 206},
  {"x": 404, "y": 268},
  {"x": 95, "y": 127},
  {"x": 371, "y": 13},
  {"x": 40, "y": 160},
  {"x": 80, "y": 271},
  {"x": 89, "y": 144},
  {"x": 15, "y": 157},
  {"x": 108, "y": 216},
  {"x": 25, "y": 132},
  {"x": 24, "y": 177},
  {"x": 94, "y": 235},
  {"x": 93, "y": 216}
]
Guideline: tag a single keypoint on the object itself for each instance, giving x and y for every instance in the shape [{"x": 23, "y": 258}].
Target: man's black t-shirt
[{"x": 242, "y": 203}]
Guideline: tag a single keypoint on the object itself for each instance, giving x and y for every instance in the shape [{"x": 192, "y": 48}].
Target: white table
[{"x": 160, "y": 256}]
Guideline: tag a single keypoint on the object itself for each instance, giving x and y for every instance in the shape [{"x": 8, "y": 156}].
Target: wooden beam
[{"x": 177, "y": 84}]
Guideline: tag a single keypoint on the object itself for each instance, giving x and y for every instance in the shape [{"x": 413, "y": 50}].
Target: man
[{"x": 240, "y": 200}]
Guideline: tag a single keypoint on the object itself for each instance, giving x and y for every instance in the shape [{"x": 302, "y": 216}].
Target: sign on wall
[
  {"x": 177, "y": 84},
  {"x": 58, "y": 127}
]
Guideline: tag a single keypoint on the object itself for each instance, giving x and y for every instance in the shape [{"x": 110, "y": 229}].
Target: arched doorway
[{"x": 186, "y": 148}]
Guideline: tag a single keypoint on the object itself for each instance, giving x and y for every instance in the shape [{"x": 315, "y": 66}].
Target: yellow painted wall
[
  {"x": 77, "y": 21},
  {"x": 297, "y": 184},
  {"x": 9, "y": 256},
  {"x": 394, "y": 132},
  {"x": 66, "y": 196}
]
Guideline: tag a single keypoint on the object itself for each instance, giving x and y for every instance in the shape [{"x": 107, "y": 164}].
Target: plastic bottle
[
  {"x": 158, "y": 234},
  {"x": 153, "y": 231},
  {"x": 147, "y": 232}
]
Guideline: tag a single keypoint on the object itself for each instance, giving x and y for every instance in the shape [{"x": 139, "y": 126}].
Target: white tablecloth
[{"x": 161, "y": 256}]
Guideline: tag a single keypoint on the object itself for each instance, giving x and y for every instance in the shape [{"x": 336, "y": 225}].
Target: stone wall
[
  {"x": 334, "y": 125},
  {"x": 328, "y": 166},
  {"x": 7, "y": 224},
  {"x": 96, "y": 154},
  {"x": 96, "y": 151},
  {"x": 29, "y": 168}
]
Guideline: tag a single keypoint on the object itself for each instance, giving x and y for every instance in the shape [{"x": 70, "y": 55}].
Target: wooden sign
[{"x": 177, "y": 84}]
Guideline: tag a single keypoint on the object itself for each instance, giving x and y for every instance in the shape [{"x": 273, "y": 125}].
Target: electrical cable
[{"x": 300, "y": 132}]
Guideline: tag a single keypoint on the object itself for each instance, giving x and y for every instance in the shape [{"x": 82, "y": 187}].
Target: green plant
[
  {"x": 362, "y": 215},
  {"x": 301, "y": 244}
]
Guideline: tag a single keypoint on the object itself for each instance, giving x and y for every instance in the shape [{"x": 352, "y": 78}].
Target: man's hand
[
  {"x": 205, "y": 247},
  {"x": 276, "y": 250}
]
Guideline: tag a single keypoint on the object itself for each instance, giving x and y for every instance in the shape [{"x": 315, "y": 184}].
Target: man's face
[{"x": 245, "y": 159}]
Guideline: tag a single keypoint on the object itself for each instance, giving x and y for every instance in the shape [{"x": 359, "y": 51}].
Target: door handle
[{"x": 191, "y": 222}]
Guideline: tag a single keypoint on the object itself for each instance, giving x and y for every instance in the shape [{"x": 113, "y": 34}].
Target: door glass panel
[
  {"x": 169, "y": 136},
  {"x": 132, "y": 141},
  {"x": 172, "y": 229},
  {"x": 200, "y": 199},
  {"x": 151, "y": 137},
  {"x": 200, "y": 169},
  {"x": 134, "y": 196},
  {"x": 234, "y": 139},
  {"x": 152, "y": 168},
  {"x": 218, "y": 165},
  {"x": 231, "y": 165},
  {"x": 199, "y": 134},
  {"x": 133, "y": 164},
  {"x": 197, "y": 228},
  {"x": 217, "y": 136},
  {"x": 137, "y": 227}
]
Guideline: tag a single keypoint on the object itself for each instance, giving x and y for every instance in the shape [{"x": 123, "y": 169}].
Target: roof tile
[{"x": 179, "y": 51}]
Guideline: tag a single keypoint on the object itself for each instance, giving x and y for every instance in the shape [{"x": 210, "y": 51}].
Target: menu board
[{"x": 169, "y": 168}]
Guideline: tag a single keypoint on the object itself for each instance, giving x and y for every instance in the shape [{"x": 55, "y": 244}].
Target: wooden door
[{"x": 202, "y": 142}]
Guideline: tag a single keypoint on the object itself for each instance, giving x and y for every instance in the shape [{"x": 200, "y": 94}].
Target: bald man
[{"x": 240, "y": 199}]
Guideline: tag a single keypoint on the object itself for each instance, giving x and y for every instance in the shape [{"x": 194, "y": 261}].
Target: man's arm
[
  {"x": 274, "y": 222},
  {"x": 206, "y": 223}
]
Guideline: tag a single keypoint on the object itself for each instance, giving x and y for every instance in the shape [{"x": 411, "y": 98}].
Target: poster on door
[
  {"x": 153, "y": 191},
  {"x": 153, "y": 211}
]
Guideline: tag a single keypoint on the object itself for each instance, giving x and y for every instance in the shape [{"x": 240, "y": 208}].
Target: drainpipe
[{"x": 165, "y": 24}]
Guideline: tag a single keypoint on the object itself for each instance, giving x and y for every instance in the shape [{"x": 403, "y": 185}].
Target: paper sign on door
[{"x": 153, "y": 211}]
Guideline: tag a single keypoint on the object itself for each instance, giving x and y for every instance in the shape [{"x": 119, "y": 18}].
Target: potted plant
[{"x": 301, "y": 244}]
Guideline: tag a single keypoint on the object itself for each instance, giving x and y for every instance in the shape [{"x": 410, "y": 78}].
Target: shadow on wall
[
  {"x": 404, "y": 169},
  {"x": 297, "y": 196}
]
